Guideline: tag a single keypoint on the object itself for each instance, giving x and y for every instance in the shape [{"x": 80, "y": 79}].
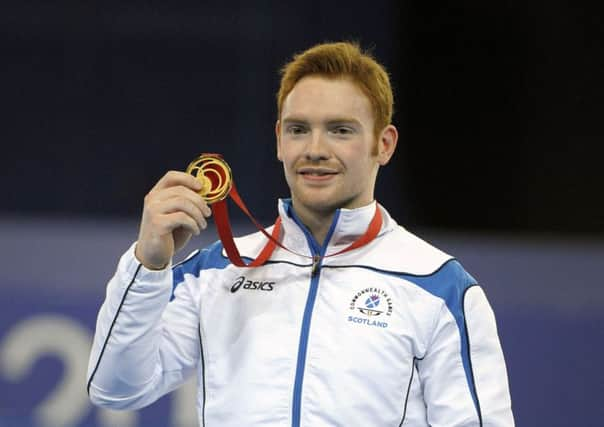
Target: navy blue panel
[
  {"x": 450, "y": 283},
  {"x": 208, "y": 258}
]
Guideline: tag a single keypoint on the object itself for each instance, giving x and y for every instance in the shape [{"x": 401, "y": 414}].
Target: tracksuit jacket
[{"x": 394, "y": 333}]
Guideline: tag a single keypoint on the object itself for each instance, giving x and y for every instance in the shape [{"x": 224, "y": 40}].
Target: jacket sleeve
[
  {"x": 145, "y": 345},
  {"x": 463, "y": 372}
]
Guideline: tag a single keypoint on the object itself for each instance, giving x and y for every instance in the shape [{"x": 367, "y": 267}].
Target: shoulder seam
[{"x": 393, "y": 272}]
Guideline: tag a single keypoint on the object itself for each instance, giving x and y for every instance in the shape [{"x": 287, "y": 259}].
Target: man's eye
[
  {"x": 342, "y": 130},
  {"x": 296, "y": 130}
]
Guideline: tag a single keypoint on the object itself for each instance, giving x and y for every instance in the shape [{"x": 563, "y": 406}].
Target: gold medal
[{"x": 214, "y": 174}]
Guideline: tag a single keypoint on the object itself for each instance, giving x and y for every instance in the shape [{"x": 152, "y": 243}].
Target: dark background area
[{"x": 498, "y": 104}]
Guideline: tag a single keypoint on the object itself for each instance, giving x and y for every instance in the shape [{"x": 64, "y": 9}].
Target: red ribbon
[{"x": 225, "y": 232}]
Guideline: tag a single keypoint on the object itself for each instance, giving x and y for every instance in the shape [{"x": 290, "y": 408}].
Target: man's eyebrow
[
  {"x": 293, "y": 119},
  {"x": 338, "y": 120},
  {"x": 329, "y": 121}
]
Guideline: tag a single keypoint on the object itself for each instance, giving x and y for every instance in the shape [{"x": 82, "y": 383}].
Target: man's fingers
[
  {"x": 181, "y": 192},
  {"x": 175, "y": 205},
  {"x": 175, "y": 178},
  {"x": 174, "y": 220},
  {"x": 172, "y": 212}
]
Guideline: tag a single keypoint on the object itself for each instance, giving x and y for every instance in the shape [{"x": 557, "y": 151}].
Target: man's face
[{"x": 326, "y": 141}]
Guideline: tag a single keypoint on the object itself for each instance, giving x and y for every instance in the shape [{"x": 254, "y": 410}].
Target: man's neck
[{"x": 318, "y": 223}]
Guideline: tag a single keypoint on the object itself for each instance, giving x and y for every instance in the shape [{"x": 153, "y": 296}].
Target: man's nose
[{"x": 317, "y": 147}]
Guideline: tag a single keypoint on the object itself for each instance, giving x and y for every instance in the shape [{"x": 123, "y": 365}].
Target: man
[{"x": 358, "y": 323}]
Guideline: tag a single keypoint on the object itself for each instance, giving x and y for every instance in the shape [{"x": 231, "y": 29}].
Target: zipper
[
  {"x": 303, "y": 344},
  {"x": 317, "y": 258}
]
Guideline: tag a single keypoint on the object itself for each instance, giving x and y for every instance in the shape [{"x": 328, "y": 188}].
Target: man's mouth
[{"x": 318, "y": 172}]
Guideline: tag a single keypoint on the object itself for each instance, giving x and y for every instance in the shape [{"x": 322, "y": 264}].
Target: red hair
[{"x": 342, "y": 60}]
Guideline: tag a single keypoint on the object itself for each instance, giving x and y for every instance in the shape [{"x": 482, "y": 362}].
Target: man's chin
[{"x": 325, "y": 204}]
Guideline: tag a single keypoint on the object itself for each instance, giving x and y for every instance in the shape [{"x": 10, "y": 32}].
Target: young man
[{"x": 362, "y": 324}]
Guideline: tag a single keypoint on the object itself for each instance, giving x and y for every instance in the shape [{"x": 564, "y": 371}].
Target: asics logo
[{"x": 251, "y": 285}]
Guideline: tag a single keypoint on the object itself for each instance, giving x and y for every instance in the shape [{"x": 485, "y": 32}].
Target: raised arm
[{"x": 146, "y": 345}]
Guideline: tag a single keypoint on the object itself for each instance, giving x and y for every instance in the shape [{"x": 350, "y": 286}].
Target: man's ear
[
  {"x": 278, "y": 136},
  {"x": 387, "y": 144}
]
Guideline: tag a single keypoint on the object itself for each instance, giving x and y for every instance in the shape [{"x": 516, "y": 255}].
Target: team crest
[{"x": 372, "y": 302}]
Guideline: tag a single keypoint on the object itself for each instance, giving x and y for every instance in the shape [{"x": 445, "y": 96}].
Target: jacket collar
[
  {"x": 400, "y": 251},
  {"x": 347, "y": 226}
]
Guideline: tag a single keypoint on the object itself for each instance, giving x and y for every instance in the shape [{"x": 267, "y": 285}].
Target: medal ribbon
[{"x": 216, "y": 176}]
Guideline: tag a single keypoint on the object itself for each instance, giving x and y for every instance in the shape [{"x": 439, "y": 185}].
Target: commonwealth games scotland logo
[{"x": 372, "y": 302}]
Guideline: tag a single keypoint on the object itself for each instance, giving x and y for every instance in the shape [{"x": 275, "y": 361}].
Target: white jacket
[{"x": 393, "y": 333}]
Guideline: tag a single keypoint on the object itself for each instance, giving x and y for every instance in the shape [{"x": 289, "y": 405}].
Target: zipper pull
[{"x": 316, "y": 259}]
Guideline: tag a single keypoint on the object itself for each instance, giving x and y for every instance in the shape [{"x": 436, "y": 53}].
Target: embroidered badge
[{"x": 371, "y": 302}]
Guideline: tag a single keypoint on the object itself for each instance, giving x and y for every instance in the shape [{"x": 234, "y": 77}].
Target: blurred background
[{"x": 499, "y": 106}]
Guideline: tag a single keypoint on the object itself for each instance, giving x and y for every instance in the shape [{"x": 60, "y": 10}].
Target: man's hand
[{"x": 172, "y": 213}]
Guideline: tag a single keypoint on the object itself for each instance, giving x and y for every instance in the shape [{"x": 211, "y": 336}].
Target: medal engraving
[{"x": 215, "y": 176}]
